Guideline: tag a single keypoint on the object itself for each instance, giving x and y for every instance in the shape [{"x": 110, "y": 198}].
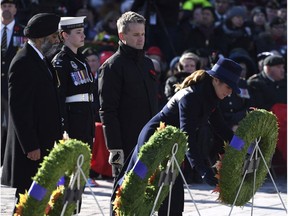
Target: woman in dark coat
[{"x": 193, "y": 105}]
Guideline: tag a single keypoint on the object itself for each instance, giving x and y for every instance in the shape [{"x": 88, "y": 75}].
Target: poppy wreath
[
  {"x": 258, "y": 123},
  {"x": 44, "y": 197},
  {"x": 139, "y": 189}
]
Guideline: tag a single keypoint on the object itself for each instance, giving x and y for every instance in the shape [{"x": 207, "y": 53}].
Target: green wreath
[
  {"x": 258, "y": 123},
  {"x": 137, "y": 194},
  {"x": 61, "y": 161}
]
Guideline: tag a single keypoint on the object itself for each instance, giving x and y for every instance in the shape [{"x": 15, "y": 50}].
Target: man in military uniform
[
  {"x": 12, "y": 39},
  {"x": 76, "y": 82}
]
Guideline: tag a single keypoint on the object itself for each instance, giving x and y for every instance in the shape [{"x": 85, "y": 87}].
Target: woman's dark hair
[
  {"x": 68, "y": 31},
  {"x": 192, "y": 79}
]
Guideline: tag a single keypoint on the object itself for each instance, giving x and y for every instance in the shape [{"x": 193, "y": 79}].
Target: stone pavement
[{"x": 266, "y": 200}]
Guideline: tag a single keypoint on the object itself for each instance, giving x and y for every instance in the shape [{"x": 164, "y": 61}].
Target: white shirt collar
[
  {"x": 39, "y": 53},
  {"x": 9, "y": 26}
]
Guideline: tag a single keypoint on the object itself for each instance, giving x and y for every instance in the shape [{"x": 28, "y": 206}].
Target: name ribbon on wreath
[
  {"x": 140, "y": 169},
  {"x": 61, "y": 181},
  {"x": 37, "y": 191},
  {"x": 237, "y": 143}
]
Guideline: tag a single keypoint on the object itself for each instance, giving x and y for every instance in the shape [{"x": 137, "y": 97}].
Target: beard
[
  {"x": 49, "y": 49},
  {"x": 6, "y": 15}
]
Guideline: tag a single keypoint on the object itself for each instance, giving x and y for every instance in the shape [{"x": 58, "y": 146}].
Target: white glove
[{"x": 116, "y": 157}]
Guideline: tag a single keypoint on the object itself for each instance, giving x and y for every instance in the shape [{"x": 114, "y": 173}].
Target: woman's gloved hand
[{"x": 209, "y": 177}]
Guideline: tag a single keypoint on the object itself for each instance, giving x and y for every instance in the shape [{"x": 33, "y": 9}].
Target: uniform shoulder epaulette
[{"x": 57, "y": 60}]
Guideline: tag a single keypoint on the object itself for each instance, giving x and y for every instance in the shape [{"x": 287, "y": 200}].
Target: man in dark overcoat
[
  {"x": 34, "y": 116},
  {"x": 14, "y": 40},
  {"x": 127, "y": 89},
  {"x": 269, "y": 87}
]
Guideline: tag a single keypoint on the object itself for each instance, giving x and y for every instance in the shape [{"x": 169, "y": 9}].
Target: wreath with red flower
[
  {"x": 47, "y": 198},
  {"x": 139, "y": 189},
  {"x": 258, "y": 123}
]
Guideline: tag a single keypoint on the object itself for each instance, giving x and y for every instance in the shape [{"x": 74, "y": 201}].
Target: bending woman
[{"x": 194, "y": 104}]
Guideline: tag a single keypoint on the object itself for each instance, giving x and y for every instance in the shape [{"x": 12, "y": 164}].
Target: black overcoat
[
  {"x": 128, "y": 97},
  {"x": 34, "y": 117},
  {"x": 265, "y": 92}
]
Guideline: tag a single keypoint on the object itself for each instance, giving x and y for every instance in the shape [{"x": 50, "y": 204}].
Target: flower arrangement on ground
[
  {"x": 44, "y": 196},
  {"x": 258, "y": 124},
  {"x": 138, "y": 192}
]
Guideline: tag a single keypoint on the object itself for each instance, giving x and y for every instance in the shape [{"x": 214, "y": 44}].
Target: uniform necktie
[{"x": 4, "y": 40}]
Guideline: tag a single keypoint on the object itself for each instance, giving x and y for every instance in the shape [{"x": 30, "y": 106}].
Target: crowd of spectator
[{"x": 175, "y": 26}]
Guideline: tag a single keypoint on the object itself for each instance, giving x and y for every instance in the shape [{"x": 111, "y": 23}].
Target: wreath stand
[
  {"x": 71, "y": 194},
  {"x": 168, "y": 177},
  {"x": 251, "y": 165}
]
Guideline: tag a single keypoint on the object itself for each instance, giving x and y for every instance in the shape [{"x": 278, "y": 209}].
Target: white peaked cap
[{"x": 71, "y": 22}]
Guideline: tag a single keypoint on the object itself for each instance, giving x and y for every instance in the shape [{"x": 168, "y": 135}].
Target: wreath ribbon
[
  {"x": 140, "y": 169},
  {"x": 37, "y": 191},
  {"x": 237, "y": 143}
]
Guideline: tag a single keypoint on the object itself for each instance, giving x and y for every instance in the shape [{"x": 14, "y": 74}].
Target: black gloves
[
  {"x": 209, "y": 177},
  {"x": 116, "y": 159}
]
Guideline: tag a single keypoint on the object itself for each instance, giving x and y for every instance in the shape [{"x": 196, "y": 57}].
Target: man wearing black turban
[{"x": 34, "y": 123}]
